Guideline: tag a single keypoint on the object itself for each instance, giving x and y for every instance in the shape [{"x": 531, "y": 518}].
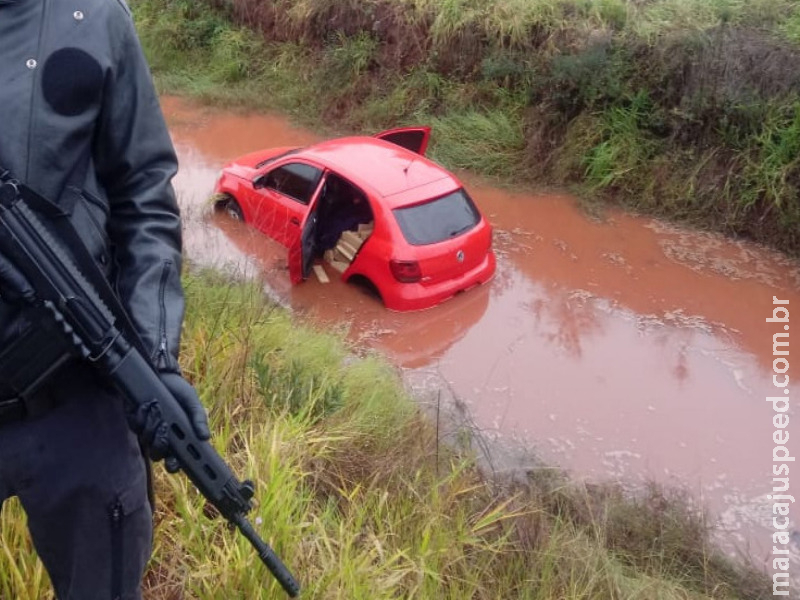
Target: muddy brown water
[{"x": 618, "y": 348}]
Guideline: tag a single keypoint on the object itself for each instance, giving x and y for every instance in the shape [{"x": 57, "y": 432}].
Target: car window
[
  {"x": 437, "y": 220},
  {"x": 296, "y": 180}
]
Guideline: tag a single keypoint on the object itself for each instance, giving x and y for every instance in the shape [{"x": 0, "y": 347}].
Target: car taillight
[{"x": 406, "y": 271}]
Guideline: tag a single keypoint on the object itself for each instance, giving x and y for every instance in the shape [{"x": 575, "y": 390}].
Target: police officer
[{"x": 80, "y": 123}]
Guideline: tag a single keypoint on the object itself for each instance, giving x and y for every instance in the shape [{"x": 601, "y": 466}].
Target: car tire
[
  {"x": 231, "y": 207},
  {"x": 364, "y": 284}
]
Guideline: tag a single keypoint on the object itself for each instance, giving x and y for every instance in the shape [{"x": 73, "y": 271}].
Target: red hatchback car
[{"x": 372, "y": 208}]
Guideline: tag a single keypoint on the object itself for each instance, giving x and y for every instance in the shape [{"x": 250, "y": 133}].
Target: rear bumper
[{"x": 416, "y": 296}]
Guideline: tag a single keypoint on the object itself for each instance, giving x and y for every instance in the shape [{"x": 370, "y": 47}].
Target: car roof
[{"x": 386, "y": 169}]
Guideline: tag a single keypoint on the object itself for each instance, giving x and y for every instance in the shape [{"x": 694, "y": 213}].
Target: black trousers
[{"x": 81, "y": 478}]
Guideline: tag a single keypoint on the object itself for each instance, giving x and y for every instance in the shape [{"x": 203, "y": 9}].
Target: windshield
[{"x": 437, "y": 220}]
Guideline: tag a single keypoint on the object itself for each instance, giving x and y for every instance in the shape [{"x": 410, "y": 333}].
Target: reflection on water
[{"x": 622, "y": 348}]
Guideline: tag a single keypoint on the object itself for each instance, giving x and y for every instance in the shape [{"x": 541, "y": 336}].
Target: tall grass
[
  {"x": 623, "y": 146},
  {"x": 356, "y": 495},
  {"x": 491, "y": 142},
  {"x": 791, "y": 27},
  {"x": 24, "y": 577},
  {"x": 776, "y": 158}
]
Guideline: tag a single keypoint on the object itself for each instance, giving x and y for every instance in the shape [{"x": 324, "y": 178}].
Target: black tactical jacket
[{"x": 80, "y": 123}]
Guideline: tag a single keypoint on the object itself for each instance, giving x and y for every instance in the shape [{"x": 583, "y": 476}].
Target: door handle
[{"x": 295, "y": 221}]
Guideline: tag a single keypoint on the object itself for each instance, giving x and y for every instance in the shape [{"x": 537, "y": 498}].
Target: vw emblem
[{"x": 460, "y": 256}]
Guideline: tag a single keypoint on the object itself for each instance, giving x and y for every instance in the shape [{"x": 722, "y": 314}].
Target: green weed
[
  {"x": 624, "y": 146},
  {"x": 791, "y": 27},
  {"x": 348, "y": 58},
  {"x": 773, "y": 171},
  {"x": 491, "y": 142},
  {"x": 589, "y": 79}
]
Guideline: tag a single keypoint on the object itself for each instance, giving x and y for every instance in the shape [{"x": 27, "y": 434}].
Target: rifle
[{"x": 81, "y": 305}]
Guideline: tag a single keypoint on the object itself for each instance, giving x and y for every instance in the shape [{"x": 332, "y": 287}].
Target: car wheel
[
  {"x": 366, "y": 286},
  {"x": 229, "y": 206}
]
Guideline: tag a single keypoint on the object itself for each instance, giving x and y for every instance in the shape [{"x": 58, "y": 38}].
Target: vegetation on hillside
[
  {"x": 687, "y": 109},
  {"x": 358, "y": 498}
]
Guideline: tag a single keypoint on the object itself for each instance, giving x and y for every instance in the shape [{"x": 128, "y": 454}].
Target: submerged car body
[{"x": 422, "y": 239}]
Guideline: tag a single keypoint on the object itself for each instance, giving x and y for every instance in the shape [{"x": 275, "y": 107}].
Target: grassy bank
[
  {"x": 356, "y": 495},
  {"x": 687, "y": 109}
]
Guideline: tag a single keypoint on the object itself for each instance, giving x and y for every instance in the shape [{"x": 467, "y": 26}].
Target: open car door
[
  {"x": 410, "y": 138},
  {"x": 302, "y": 243}
]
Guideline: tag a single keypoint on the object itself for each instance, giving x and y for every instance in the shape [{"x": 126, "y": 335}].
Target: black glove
[{"x": 146, "y": 419}]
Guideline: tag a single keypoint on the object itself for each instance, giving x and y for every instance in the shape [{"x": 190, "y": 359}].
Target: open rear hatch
[{"x": 414, "y": 139}]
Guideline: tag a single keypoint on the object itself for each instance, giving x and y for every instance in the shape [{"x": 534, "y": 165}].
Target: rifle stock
[{"x": 68, "y": 289}]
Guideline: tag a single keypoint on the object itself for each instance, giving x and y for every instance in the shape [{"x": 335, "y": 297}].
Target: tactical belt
[
  {"x": 18, "y": 409},
  {"x": 30, "y": 406},
  {"x": 27, "y": 362}
]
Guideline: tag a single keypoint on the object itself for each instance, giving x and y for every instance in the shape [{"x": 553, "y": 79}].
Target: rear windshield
[{"x": 437, "y": 220}]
